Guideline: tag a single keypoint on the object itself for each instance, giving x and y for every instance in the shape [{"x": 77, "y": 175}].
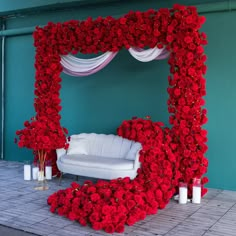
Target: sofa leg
[
  {"x": 76, "y": 178},
  {"x": 59, "y": 182}
]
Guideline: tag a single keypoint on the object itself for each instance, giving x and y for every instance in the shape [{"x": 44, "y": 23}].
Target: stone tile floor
[{"x": 23, "y": 208}]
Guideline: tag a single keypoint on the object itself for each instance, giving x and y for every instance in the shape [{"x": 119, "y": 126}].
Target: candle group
[
  {"x": 36, "y": 173},
  {"x": 196, "y": 192}
]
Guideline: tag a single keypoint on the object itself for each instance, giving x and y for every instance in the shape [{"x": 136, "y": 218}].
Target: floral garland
[{"x": 168, "y": 155}]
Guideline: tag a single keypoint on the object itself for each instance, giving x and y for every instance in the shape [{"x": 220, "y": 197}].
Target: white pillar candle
[
  {"x": 196, "y": 194},
  {"x": 41, "y": 175},
  {"x": 27, "y": 172},
  {"x": 35, "y": 172},
  {"x": 48, "y": 172},
  {"x": 183, "y": 193}
]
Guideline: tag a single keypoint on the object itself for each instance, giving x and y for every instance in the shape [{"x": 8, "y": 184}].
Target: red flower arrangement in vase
[
  {"x": 41, "y": 138},
  {"x": 169, "y": 155}
]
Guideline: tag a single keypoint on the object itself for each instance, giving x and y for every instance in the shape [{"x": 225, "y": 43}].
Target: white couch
[{"x": 100, "y": 156}]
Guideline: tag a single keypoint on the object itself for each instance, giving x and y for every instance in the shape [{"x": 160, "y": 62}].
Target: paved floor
[
  {"x": 25, "y": 209},
  {"x": 7, "y": 231}
]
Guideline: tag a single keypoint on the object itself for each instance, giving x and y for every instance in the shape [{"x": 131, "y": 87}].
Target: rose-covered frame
[{"x": 169, "y": 155}]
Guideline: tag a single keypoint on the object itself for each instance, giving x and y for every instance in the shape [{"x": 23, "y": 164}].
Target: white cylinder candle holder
[
  {"x": 27, "y": 171},
  {"x": 48, "y": 172},
  {"x": 183, "y": 193},
  {"x": 35, "y": 171},
  {"x": 197, "y": 189}
]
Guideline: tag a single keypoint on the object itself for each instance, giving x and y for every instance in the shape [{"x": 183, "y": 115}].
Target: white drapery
[
  {"x": 148, "y": 54},
  {"x": 82, "y": 67}
]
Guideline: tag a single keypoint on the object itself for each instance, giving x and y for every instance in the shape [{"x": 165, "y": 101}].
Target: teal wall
[
  {"x": 126, "y": 87},
  {"x": 221, "y": 98}
]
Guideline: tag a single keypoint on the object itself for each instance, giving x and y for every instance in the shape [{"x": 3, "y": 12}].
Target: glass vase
[{"x": 41, "y": 183}]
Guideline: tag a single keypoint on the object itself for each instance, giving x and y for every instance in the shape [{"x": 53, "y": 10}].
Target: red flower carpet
[{"x": 169, "y": 155}]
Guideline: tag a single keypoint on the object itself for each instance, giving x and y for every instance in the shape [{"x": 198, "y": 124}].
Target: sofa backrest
[{"x": 103, "y": 145}]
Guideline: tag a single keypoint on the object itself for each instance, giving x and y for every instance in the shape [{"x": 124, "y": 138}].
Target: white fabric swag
[
  {"x": 148, "y": 54},
  {"x": 83, "y": 67}
]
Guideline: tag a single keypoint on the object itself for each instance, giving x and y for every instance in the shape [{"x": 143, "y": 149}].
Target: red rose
[
  {"x": 82, "y": 221},
  {"x": 120, "y": 228},
  {"x": 156, "y": 33},
  {"x": 138, "y": 199},
  {"x": 189, "y": 19},
  {"x": 205, "y": 162},
  {"x": 202, "y": 19},
  {"x": 97, "y": 225},
  {"x": 154, "y": 167},
  {"x": 106, "y": 209},
  {"x": 169, "y": 38},
  {"x": 168, "y": 172},
  {"x": 187, "y": 153},
  {"x": 139, "y": 126},
  {"x": 186, "y": 131},
  {"x": 75, "y": 185},
  {"x": 72, "y": 216},
  {"x": 181, "y": 101},
  {"x": 158, "y": 194},
  {"x": 186, "y": 109},
  {"x": 204, "y": 191},
  {"x": 131, "y": 220},
  {"x": 188, "y": 39},
  {"x": 177, "y": 92},
  {"x": 189, "y": 139},
  {"x": 191, "y": 71},
  {"x": 204, "y": 180},
  {"x": 123, "y": 20},
  {"x": 200, "y": 50},
  {"x": 119, "y": 194},
  {"x": 95, "y": 197},
  {"x": 94, "y": 217},
  {"x": 91, "y": 189},
  {"x": 60, "y": 211},
  {"x": 164, "y": 187},
  {"x": 109, "y": 228},
  {"x": 170, "y": 28},
  {"x": 130, "y": 204}
]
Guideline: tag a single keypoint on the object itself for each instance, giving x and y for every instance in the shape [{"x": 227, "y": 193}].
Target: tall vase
[{"x": 41, "y": 183}]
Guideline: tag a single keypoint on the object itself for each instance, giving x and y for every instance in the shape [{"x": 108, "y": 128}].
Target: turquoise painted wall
[
  {"x": 126, "y": 87},
  {"x": 221, "y": 98}
]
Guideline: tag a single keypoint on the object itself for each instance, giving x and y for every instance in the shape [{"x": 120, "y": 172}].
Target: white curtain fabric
[
  {"x": 146, "y": 55},
  {"x": 82, "y": 67}
]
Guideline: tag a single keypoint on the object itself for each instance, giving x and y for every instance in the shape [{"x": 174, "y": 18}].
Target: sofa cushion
[
  {"x": 78, "y": 146},
  {"x": 112, "y": 146},
  {"x": 98, "y": 162}
]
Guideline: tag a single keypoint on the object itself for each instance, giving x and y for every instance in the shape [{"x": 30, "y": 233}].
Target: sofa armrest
[
  {"x": 137, "y": 163},
  {"x": 60, "y": 152}
]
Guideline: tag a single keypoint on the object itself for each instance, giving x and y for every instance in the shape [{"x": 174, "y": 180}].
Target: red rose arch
[{"x": 169, "y": 155}]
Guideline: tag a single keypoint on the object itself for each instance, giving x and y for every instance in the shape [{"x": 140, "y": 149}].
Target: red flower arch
[{"x": 169, "y": 155}]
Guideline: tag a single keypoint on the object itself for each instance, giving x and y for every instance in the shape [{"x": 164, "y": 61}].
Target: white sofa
[{"x": 100, "y": 156}]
